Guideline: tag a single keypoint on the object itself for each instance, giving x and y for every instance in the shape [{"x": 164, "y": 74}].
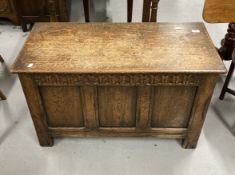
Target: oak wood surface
[
  {"x": 144, "y": 107},
  {"x": 119, "y": 132},
  {"x": 105, "y": 48},
  {"x": 66, "y": 112},
  {"x": 36, "y": 109},
  {"x": 90, "y": 106},
  {"x": 117, "y": 80},
  {"x": 117, "y": 113},
  {"x": 199, "y": 110},
  {"x": 176, "y": 113},
  {"x": 146, "y": 12},
  {"x": 217, "y": 11}
]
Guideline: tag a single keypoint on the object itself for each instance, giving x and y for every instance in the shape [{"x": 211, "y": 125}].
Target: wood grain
[
  {"x": 120, "y": 132},
  {"x": 139, "y": 47},
  {"x": 117, "y": 106},
  {"x": 176, "y": 112},
  {"x": 36, "y": 109},
  {"x": 217, "y": 11},
  {"x": 63, "y": 106},
  {"x": 117, "y": 80},
  {"x": 90, "y": 106},
  {"x": 144, "y": 107},
  {"x": 201, "y": 104},
  {"x": 146, "y": 10}
]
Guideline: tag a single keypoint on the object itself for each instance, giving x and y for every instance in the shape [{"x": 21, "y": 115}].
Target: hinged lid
[{"x": 118, "y": 48}]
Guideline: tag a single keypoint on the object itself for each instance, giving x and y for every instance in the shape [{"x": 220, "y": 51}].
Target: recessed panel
[
  {"x": 63, "y": 106},
  {"x": 172, "y": 106},
  {"x": 116, "y": 106}
]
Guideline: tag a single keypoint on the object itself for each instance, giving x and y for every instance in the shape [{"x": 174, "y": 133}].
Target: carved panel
[
  {"x": 63, "y": 106},
  {"x": 116, "y": 79},
  {"x": 117, "y": 106},
  {"x": 172, "y": 106}
]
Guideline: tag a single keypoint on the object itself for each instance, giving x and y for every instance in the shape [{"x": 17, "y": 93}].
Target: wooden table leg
[
  {"x": 228, "y": 43},
  {"x": 36, "y": 109},
  {"x": 129, "y": 10},
  {"x": 227, "y": 80},
  {"x": 154, "y": 8},
  {"x": 150, "y": 8},
  {"x": 226, "y": 53},
  {"x": 86, "y": 10},
  {"x": 146, "y": 11}
]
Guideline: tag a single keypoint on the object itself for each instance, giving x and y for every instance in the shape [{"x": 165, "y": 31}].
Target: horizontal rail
[{"x": 118, "y": 132}]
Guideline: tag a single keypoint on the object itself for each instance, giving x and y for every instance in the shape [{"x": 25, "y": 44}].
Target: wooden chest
[{"x": 139, "y": 79}]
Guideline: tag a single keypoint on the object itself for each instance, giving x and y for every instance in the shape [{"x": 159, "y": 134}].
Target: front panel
[
  {"x": 116, "y": 106},
  {"x": 62, "y": 105},
  {"x": 117, "y": 101},
  {"x": 172, "y": 106}
]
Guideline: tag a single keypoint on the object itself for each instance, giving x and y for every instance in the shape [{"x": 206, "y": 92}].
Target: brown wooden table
[
  {"x": 107, "y": 79},
  {"x": 216, "y": 11}
]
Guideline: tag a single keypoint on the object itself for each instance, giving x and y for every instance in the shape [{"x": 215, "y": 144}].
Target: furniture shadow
[
  {"x": 12, "y": 122},
  {"x": 224, "y": 109},
  {"x": 7, "y": 80}
]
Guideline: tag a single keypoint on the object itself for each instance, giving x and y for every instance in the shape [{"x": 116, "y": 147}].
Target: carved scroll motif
[{"x": 116, "y": 79}]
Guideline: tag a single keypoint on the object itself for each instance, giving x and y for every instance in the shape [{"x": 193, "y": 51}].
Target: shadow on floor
[
  {"x": 224, "y": 109},
  {"x": 12, "y": 123},
  {"x": 7, "y": 80}
]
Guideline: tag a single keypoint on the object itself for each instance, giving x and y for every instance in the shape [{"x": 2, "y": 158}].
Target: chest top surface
[{"x": 118, "y": 48}]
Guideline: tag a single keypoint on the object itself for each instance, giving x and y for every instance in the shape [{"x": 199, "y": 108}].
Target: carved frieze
[{"x": 116, "y": 79}]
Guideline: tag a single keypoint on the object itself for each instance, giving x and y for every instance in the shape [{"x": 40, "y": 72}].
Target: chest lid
[{"x": 118, "y": 48}]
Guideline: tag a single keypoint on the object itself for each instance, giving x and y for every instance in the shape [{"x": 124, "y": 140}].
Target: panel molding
[
  {"x": 90, "y": 106},
  {"x": 144, "y": 107}
]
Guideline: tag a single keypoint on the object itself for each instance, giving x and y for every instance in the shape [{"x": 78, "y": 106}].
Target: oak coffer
[{"x": 104, "y": 79}]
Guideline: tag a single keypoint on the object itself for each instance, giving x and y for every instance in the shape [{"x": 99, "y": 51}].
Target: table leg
[
  {"x": 146, "y": 11},
  {"x": 154, "y": 8},
  {"x": 226, "y": 53},
  {"x": 150, "y": 8},
  {"x": 129, "y": 10},
  {"x": 228, "y": 43},
  {"x": 36, "y": 109},
  {"x": 86, "y": 10},
  {"x": 225, "y": 87}
]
